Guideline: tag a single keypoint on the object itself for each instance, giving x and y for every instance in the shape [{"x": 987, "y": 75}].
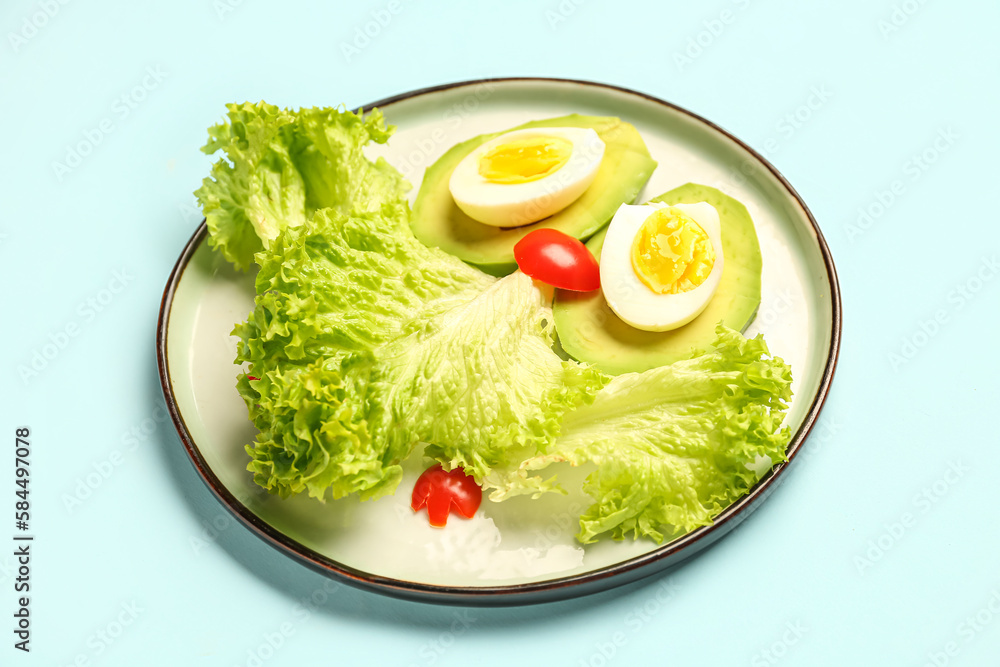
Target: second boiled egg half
[
  {"x": 526, "y": 175},
  {"x": 661, "y": 264}
]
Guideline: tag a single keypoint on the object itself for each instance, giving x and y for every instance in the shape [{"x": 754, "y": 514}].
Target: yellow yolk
[
  {"x": 672, "y": 253},
  {"x": 525, "y": 160}
]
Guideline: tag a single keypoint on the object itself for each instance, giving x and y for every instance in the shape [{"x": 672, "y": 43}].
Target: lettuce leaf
[
  {"x": 328, "y": 294},
  {"x": 675, "y": 445},
  {"x": 486, "y": 390},
  {"x": 280, "y": 166},
  {"x": 366, "y": 342}
]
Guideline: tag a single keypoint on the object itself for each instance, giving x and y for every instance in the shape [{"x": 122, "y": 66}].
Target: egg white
[
  {"x": 631, "y": 299},
  {"x": 517, "y": 204}
]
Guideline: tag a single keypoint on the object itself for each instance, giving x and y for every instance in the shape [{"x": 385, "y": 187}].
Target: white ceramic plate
[{"x": 519, "y": 551}]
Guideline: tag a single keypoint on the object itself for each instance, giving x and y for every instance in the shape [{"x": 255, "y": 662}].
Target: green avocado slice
[
  {"x": 590, "y": 331},
  {"x": 438, "y": 222}
]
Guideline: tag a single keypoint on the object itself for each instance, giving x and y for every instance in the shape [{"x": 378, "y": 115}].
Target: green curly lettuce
[
  {"x": 279, "y": 167},
  {"x": 673, "y": 446},
  {"x": 366, "y": 342}
]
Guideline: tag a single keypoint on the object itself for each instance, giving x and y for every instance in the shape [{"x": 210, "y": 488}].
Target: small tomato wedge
[
  {"x": 559, "y": 260},
  {"x": 442, "y": 492}
]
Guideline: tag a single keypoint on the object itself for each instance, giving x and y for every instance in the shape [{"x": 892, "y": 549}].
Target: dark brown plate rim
[{"x": 619, "y": 574}]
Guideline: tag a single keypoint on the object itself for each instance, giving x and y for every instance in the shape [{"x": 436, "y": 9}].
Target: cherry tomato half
[
  {"x": 558, "y": 259},
  {"x": 442, "y": 492}
]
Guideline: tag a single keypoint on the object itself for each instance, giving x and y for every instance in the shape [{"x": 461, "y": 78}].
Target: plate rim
[{"x": 549, "y": 590}]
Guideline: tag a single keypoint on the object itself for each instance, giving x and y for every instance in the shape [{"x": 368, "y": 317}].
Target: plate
[{"x": 520, "y": 551}]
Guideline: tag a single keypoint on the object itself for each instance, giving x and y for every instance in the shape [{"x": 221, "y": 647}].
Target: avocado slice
[
  {"x": 590, "y": 331},
  {"x": 438, "y": 222}
]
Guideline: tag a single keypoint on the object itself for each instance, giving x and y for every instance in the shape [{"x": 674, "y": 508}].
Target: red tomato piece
[
  {"x": 559, "y": 260},
  {"x": 442, "y": 492}
]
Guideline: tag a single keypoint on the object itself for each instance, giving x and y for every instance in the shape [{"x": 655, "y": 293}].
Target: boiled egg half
[
  {"x": 660, "y": 264},
  {"x": 524, "y": 176}
]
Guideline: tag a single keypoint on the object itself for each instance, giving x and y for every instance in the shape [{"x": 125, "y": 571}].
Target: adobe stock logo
[
  {"x": 370, "y": 30},
  {"x": 122, "y": 108},
  {"x": 34, "y": 23},
  {"x": 780, "y": 647},
  {"x": 223, "y": 7},
  {"x": 102, "y": 470},
  {"x": 963, "y": 293},
  {"x": 924, "y": 501},
  {"x": 915, "y": 167},
  {"x": 86, "y": 311},
  {"x": 712, "y": 30},
  {"x": 972, "y": 626},
  {"x": 901, "y": 14},
  {"x": 109, "y": 634},
  {"x": 561, "y": 13},
  {"x": 605, "y": 651},
  {"x": 787, "y": 127}
]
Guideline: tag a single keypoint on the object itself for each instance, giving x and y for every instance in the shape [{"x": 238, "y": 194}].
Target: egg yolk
[
  {"x": 671, "y": 252},
  {"x": 525, "y": 160}
]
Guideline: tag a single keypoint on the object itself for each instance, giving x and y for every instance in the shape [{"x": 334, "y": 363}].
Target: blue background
[{"x": 879, "y": 548}]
